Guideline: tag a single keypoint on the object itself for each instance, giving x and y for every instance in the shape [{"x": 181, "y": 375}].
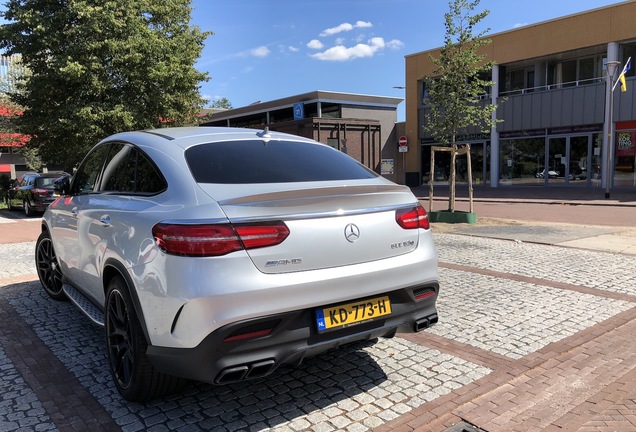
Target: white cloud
[
  {"x": 342, "y": 53},
  {"x": 261, "y": 51},
  {"x": 519, "y": 25},
  {"x": 345, "y": 27},
  {"x": 315, "y": 44},
  {"x": 340, "y": 41},
  {"x": 292, "y": 49},
  {"x": 338, "y": 29},
  {"x": 395, "y": 44},
  {"x": 363, "y": 24}
]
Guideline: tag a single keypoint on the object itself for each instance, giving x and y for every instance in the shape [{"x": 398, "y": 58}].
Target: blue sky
[{"x": 265, "y": 50}]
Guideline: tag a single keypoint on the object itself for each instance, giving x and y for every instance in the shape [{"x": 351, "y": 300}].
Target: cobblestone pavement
[{"x": 512, "y": 315}]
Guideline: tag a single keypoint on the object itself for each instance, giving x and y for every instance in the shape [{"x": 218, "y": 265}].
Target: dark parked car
[{"x": 33, "y": 192}]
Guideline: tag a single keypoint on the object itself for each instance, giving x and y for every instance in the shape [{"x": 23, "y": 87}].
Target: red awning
[{"x": 5, "y": 168}]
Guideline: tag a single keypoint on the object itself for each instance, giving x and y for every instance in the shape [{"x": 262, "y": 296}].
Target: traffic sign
[{"x": 403, "y": 144}]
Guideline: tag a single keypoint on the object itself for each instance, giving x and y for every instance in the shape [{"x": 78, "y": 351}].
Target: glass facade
[
  {"x": 625, "y": 165},
  {"x": 479, "y": 164},
  {"x": 522, "y": 161}
]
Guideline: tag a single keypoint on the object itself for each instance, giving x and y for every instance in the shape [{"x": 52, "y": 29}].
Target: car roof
[
  {"x": 187, "y": 136},
  {"x": 52, "y": 174}
]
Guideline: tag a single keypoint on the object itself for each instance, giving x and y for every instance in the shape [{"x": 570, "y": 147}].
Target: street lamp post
[{"x": 611, "y": 71}]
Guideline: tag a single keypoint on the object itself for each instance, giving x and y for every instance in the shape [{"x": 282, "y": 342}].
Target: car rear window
[
  {"x": 254, "y": 161},
  {"x": 45, "y": 181}
]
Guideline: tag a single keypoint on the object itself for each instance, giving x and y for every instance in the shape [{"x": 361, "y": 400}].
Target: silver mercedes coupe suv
[{"x": 219, "y": 254}]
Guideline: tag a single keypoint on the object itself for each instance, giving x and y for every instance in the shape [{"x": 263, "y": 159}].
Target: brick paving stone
[
  {"x": 21, "y": 257},
  {"x": 79, "y": 346},
  {"x": 514, "y": 318},
  {"x": 603, "y": 271},
  {"x": 481, "y": 311}
]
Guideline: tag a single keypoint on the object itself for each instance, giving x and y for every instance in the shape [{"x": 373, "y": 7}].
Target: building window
[
  {"x": 331, "y": 111},
  {"x": 521, "y": 161},
  {"x": 4, "y": 149},
  {"x": 575, "y": 72},
  {"x": 629, "y": 50}
]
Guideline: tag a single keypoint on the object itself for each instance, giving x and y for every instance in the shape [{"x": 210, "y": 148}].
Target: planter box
[{"x": 452, "y": 217}]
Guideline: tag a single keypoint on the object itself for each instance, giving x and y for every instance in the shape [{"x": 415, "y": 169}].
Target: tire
[
  {"x": 28, "y": 210},
  {"x": 48, "y": 268},
  {"x": 135, "y": 377}
]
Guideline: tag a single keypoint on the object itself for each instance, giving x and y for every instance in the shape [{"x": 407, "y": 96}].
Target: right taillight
[
  {"x": 217, "y": 239},
  {"x": 412, "y": 217}
]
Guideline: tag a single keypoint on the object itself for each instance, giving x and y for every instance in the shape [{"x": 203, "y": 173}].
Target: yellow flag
[{"x": 623, "y": 83}]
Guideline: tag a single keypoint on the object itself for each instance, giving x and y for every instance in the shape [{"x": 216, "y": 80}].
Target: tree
[
  {"x": 10, "y": 112},
  {"x": 458, "y": 81},
  {"x": 97, "y": 68},
  {"x": 221, "y": 103}
]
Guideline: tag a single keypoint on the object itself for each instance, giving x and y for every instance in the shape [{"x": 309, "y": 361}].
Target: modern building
[
  {"x": 363, "y": 126},
  {"x": 555, "y": 106}
]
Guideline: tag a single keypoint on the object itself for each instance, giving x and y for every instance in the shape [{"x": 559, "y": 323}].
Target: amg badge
[{"x": 283, "y": 262}]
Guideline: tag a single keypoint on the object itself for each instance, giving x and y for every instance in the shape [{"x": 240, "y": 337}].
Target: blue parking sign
[{"x": 299, "y": 111}]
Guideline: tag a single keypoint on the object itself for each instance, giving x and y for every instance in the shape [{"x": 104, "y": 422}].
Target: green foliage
[
  {"x": 102, "y": 67},
  {"x": 31, "y": 155},
  {"x": 458, "y": 79},
  {"x": 221, "y": 103}
]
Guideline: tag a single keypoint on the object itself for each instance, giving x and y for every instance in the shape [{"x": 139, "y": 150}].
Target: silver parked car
[{"x": 218, "y": 254}]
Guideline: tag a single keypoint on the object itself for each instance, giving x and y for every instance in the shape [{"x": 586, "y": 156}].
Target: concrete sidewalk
[{"x": 569, "y": 217}]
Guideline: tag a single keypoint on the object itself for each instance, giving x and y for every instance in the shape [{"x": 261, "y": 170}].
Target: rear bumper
[{"x": 225, "y": 356}]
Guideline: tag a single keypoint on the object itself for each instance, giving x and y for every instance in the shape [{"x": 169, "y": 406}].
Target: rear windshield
[
  {"x": 45, "y": 181},
  {"x": 253, "y": 161}
]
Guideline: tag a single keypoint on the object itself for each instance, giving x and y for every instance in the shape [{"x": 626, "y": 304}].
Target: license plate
[{"x": 352, "y": 313}]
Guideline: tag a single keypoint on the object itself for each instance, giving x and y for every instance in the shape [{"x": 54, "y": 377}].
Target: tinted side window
[
  {"x": 128, "y": 170},
  {"x": 85, "y": 179},
  {"x": 119, "y": 172},
  {"x": 149, "y": 180},
  {"x": 254, "y": 161}
]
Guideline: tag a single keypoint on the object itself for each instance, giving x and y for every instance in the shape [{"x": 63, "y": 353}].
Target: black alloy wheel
[
  {"x": 119, "y": 337},
  {"x": 48, "y": 268},
  {"x": 135, "y": 377}
]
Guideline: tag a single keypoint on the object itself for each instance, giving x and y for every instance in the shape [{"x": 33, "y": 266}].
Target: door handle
[
  {"x": 105, "y": 220},
  {"x": 74, "y": 212}
]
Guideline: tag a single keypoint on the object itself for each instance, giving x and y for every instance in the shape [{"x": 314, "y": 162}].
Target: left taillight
[
  {"x": 412, "y": 217},
  {"x": 40, "y": 191},
  {"x": 218, "y": 239}
]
